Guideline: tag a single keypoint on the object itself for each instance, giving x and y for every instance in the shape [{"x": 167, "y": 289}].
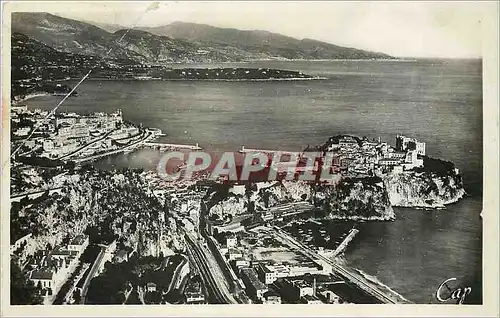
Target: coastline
[
  {"x": 359, "y": 218},
  {"x": 34, "y": 95},
  {"x": 433, "y": 206},
  {"x": 280, "y": 59},
  {"x": 29, "y": 96},
  {"x": 212, "y": 80}
]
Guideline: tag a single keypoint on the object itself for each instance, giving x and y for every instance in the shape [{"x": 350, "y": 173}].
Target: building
[
  {"x": 23, "y": 131},
  {"x": 405, "y": 143},
  {"x": 43, "y": 278},
  {"x": 48, "y": 145},
  {"x": 231, "y": 241},
  {"x": 271, "y": 297},
  {"x": 120, "y": 256},
  {"x": 188, "y": 225},
  {"x": 194, "y": 297},
  {"x": 397, "y": 155},
  {"x": 57, "y": 265},
  {"x": 389, "y": 162},
  {"x": 240, "y": 263},
  {"x": 311, "y": 300},
  {"x": 397, "y": 169},
  {"x": 329, "y": 297},
  {"x": 193, "y": 291},
  {"x": 348, "y": 142},
  {"x": 233, "y": 254},
  {"x": 19, "y": 242},
  {"x": 254, "y": 287},
  {"x": 227, "y": 227},
  {"x": 270, "y": 273},
  {"x": 412, "y": 160},
  {"x": 69, "y": 121},
  {"x": 19, "y": 109},
  {"x": 79, "y": 243},
  {"x": 302, "y": 289},
  {"x": 151, "y": 287}
]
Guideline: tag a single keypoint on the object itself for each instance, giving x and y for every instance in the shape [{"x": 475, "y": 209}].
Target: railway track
[
  {"x": 341, "y": 271},
  {"x": 215, "y": 292}
]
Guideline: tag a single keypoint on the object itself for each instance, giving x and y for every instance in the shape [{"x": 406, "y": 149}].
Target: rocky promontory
[
  {"x": 355, "y": 199},
  {"x": 425, "y": 187}
]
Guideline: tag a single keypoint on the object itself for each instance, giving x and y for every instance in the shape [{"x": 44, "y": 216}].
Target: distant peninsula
[{"x": 223, "y": 74}]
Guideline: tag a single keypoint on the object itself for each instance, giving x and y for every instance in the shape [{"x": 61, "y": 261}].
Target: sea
[{"x": 436, "y": 101}]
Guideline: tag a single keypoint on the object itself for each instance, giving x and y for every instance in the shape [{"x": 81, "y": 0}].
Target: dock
[
  {"x": 172, "y": 146},
  {"x": 344, "y": 243},
  {"x": 267, "y": 151},
  {"x": 384, "y": 295}
]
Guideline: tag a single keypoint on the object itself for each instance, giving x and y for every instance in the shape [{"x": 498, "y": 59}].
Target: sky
[{"x": 405, "y": 29}]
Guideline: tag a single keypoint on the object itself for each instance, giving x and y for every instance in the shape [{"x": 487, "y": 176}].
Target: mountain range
[{"x": 175, "y": 42}]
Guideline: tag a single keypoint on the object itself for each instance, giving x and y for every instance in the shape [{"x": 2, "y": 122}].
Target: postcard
[{"x": 249, "y": 158}]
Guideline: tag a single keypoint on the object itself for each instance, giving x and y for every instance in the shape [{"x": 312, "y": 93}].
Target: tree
[
  {"x": 22, "y": 290},
  {"x": 76, "y": 296}
]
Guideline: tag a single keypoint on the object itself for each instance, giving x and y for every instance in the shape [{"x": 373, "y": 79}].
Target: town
[{"x": 132, "y": 237}]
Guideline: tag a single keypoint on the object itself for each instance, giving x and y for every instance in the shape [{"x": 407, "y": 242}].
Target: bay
[{"x": 436, "y": 101}]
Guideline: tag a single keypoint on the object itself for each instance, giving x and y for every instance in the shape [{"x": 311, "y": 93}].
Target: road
[
  {"x": 343, "y": 272},
  {"x": 86, "y": 145},
  {"x": 174, "y": 282},
  {"x": 292, "y": 208},
  {"x": 91, "y": 274},
  {"x": 132, "y": 145},
  {"x": 18, "y": 197},
  {"x": 217, "y": 291}
]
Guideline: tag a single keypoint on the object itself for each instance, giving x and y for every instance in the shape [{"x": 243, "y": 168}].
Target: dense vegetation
[
  {"x": 438, "y": 166},
  {"x": 22, "y": 290},
  {"x": 356, "y": 197},
  {"x": 178, "y": 42},
  {"x": 112, "y": 286}
]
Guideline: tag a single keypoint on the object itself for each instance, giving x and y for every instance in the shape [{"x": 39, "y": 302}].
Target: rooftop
[
  {"x": 121, "y": 254},
  {"x": 42, "y": 274},
  {"x": 79, "y": 240},
  {"x": 252, "y": 277},
  {"x": 310, "y": 298}
]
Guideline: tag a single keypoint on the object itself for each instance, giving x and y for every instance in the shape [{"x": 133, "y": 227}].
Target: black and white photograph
[{"x": 186, "y": 154}]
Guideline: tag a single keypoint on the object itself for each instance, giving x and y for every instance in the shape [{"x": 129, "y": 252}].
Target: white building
[
  {"x": 231, "y": 241},
  {"x": 79, "y": 243},
  {"x": 270, "y": 273},
  {"x": 303, "y": 289},
  {"x": 17, "y": 244},
  {"x": 405, "y": 143},
  {"x": 48, "y": 144},
  {"x": 43, "y": 277},
  {"x": 23, "y": 131}
]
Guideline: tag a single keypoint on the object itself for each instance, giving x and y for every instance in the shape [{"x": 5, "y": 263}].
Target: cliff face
[
  {"x": 369, "y": 198},
  {"x": 221, "y": 202},
  {"x": 282, "y": 192},
  {"x": 356, "y": 199},
  {"x": 424, "y": 189},
  {"x": 233, "y": 205}
]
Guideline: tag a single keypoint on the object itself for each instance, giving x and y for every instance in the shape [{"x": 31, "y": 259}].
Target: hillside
[
  {"x": 33, "y": 64},
  {"x": 67, "y": 35},
  {"x": 258, "y": 41},
  {"x": 177, "y": 42}
]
